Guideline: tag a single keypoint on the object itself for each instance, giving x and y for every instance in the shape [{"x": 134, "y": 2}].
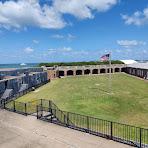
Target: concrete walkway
[{"x": 18, "y": 131}]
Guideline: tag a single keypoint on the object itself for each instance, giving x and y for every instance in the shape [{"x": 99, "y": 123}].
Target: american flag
[{"x": 105, "y": 57}]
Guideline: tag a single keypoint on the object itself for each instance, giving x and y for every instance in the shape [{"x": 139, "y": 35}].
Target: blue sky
[{"x": 72, "y": 30}]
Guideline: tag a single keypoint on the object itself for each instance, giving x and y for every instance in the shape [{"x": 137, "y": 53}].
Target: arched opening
[
  {"x": 61, "y": 73},
  {"x": 87, "y": 71},
  {"x": 95, "y": 71},
  {"x": 123, "y": 70},
  {"x": 102, "y": 70},
  {"x": 69, "y": 73},
  {"x": 117, "y": 69},
  {"x": 79, "y": 72}
]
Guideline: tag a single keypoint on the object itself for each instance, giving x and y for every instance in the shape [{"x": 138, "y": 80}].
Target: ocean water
[{"x": 18, "y": 65}]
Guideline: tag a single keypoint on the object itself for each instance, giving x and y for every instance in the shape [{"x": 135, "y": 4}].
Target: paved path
[{"x": 18, "y": 131}]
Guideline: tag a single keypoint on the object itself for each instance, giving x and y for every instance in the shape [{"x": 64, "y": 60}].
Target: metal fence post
[
  {"x": 14, "y": 106},
  {"x": 140, "y": 137},
  {"x": 49, "y": 104},
  {"x": 25, "y": 109},
  {"x": 37, "y": 112},
  {"x": 41, "y": 111},
  {"x": 41, "y": 102},
  {"x": 51, "y": 116},
  {"x": 4, "y": 104},
  {"x": 67, "y": 118},
  {"x": 111, "y": 130},
  {"x": 65, "y": 121},
  {"x": 87, "y": 124}
]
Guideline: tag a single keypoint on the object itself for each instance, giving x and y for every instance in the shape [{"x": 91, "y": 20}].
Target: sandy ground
[{"x": 18, "y": 131}]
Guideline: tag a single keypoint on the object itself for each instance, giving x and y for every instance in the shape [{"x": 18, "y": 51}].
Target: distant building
[
  {"x": 138, "y": 69},
  {"x": 128, "y": 61}
]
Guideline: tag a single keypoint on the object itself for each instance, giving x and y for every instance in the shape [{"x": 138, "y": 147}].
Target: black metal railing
[
  {"x": 47, "y": 110},
  {"x": 131, "y": 135}
]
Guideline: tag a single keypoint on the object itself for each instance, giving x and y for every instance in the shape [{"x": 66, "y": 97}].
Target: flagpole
[{"x": 110, "y": 72}]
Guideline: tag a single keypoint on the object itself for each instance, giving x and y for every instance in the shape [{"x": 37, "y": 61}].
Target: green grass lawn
[{"x": 89, "y": 95}]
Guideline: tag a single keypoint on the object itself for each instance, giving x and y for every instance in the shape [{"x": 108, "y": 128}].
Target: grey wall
[
  {"x": 15, "y": 83},
  {"x": 137, "y": 72},
  {"x": 16, "y": 72}
]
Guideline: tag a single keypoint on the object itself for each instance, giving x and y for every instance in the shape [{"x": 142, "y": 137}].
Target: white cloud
[
  {"x": 83, "y": 8},
  {"x": 68, "y": 54},
  {"x": 130, "y": 43},
  {"x": 138, "y": 18},
  {"x": 52, "y": 49},
  {"x": 29, "y": 50},
  {"x": 70, "y": 37},
  {"x": 35, "y": 41},
  {"x": 145, "y": 51},
  {"x": 57, "y": 36},
  {"x": 23, "y": 13},
  {"x": 66, "y": 49},
  {"x": 59, "y": 50},
  {"x": 67, "y": 37}
]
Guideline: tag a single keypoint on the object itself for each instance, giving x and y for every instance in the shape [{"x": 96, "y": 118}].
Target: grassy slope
[{"x": 89, "y": 95}]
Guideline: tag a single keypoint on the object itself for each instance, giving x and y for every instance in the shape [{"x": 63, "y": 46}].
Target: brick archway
[
  {"x": 78, "y": 72},
  {"x": 102, "y": 70},
  {"x": 95, "y": 71},
  {"x": 70, "y": 73},
  {"x": 61, "y": 73},
  {"x": 117, "y": 69},
  {"x": 87, "y": 71}
]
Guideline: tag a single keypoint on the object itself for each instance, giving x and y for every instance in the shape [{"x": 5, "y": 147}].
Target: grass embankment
[
  {"x": 80, "y": 63},
  {"x": 89, "y": 95}
]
